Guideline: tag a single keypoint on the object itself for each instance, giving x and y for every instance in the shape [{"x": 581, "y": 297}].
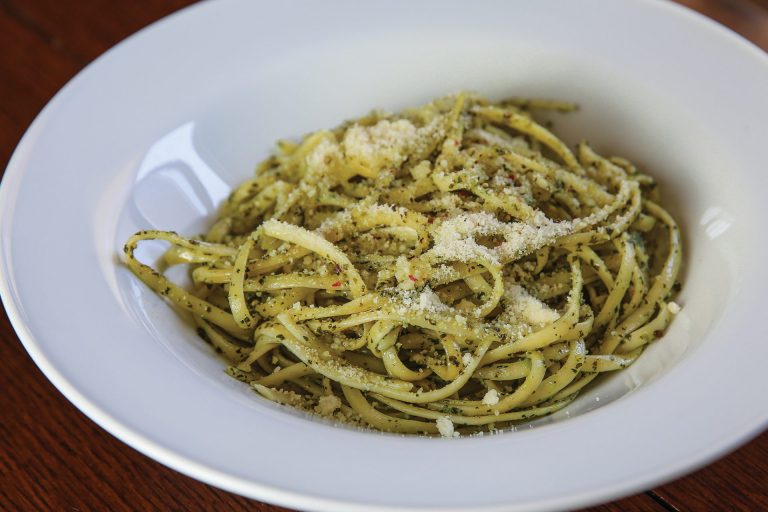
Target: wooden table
[{"x": 54, "y": 458}]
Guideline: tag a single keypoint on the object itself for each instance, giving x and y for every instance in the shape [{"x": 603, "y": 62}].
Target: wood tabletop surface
[{"x": 53, "y": 458}]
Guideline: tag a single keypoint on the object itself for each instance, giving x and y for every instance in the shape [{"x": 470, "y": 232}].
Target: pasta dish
[{"x": 452, "y": 269}]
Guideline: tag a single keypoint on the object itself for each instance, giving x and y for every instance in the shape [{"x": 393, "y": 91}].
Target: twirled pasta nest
[{"x": 454, "y": 268}]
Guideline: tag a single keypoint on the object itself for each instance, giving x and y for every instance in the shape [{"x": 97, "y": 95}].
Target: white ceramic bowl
[{"x": 155, "y": 133}]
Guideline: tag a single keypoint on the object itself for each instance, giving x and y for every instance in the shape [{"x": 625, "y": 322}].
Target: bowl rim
[{"x": 11, "y": 181}]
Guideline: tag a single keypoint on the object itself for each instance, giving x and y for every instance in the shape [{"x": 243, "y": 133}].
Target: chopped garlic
[
  {"x": 491, "y": 397},
  {"x": 445, "y": 426}
]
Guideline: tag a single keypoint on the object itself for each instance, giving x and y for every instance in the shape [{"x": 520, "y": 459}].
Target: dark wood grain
[
  {"x": 638, "y": 503},
  {"x": 736, "y": 482},
  {"x": 54, "y": 458},
  {"x": 748, "y": 18}
]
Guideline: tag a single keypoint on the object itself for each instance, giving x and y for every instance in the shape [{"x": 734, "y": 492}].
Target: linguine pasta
[{"x": 454, "y": 268}]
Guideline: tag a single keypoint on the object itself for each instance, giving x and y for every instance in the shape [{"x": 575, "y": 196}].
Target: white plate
[{"x": 155, "y": 132}]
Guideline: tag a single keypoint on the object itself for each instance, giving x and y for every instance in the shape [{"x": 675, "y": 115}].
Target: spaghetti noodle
[{"x": 450, "y": 269}]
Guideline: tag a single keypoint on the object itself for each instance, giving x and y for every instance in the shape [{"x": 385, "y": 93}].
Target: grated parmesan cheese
[
  {"x": 322, "y": 155},
  {"x": 327, "y": 405},
  {"x": 532, "y": 310},
  {"x": 425, "y": 301},
  {"x": 445, "y": 274},
  {"x": 673, "y": 307},
  {"x": 389, "y": 143},
  {"x": 456, "y": 238},
  {"x": 384, "y": 144}
]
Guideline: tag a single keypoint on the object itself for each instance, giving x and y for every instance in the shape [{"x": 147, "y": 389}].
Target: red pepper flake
[
  {"x": 512, "y": 177},
  {"x": 336, "y": 284},
  {"x": 658, "y": 333},
  {"x": 464, "y": 194},
  {"x": 431, "y": 220},
  {"x": 412, "y": 278}
]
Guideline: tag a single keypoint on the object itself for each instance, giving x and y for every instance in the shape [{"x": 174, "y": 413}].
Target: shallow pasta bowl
[{"x": 156, "y": 132}]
